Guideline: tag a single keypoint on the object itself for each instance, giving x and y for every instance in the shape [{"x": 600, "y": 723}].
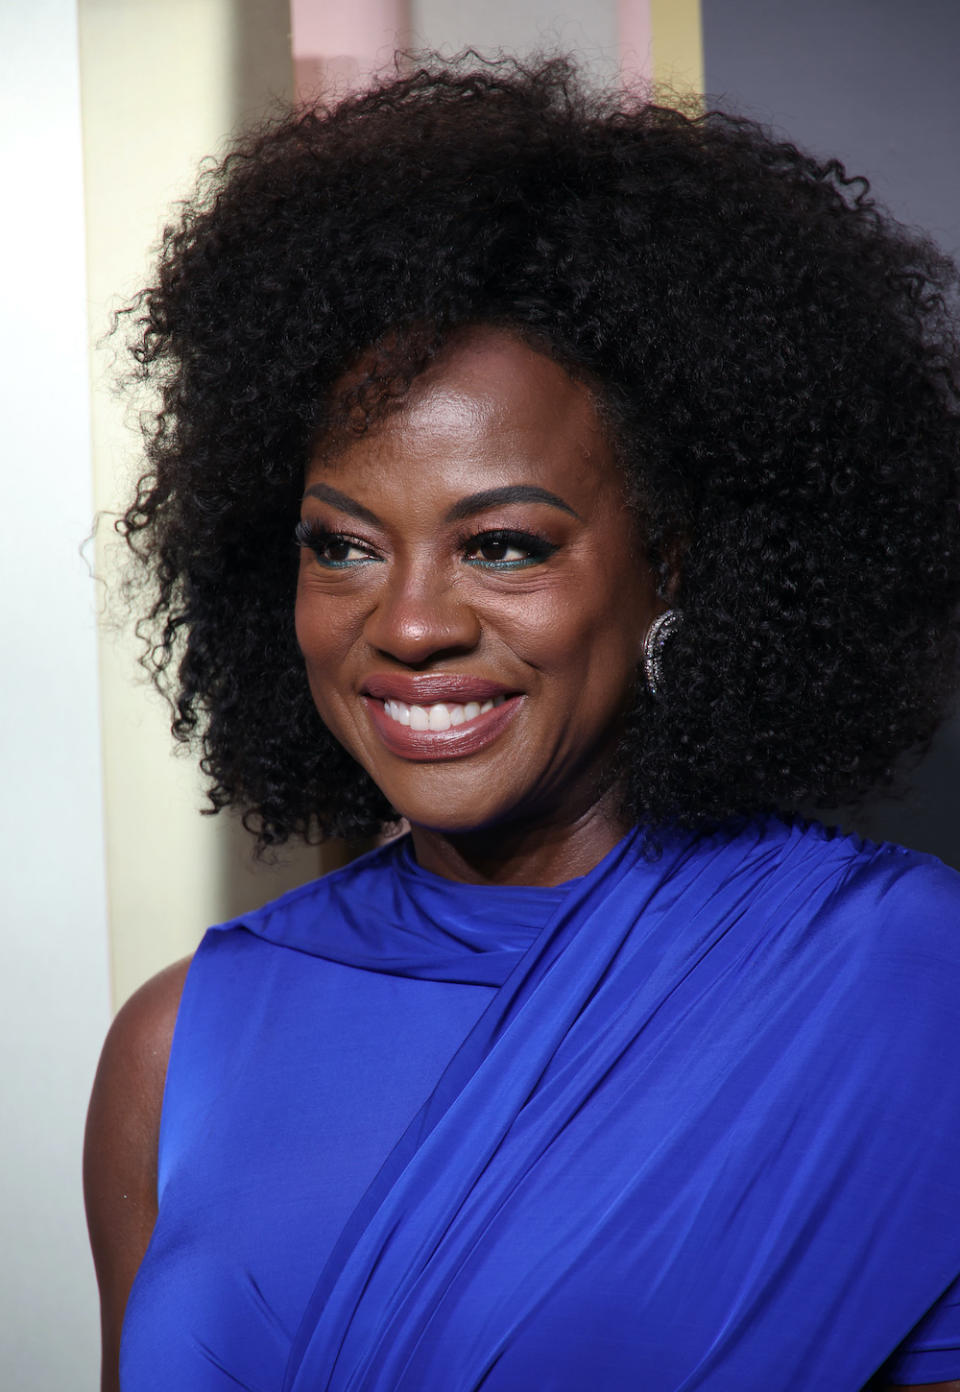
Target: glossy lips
[{"x": 437, "y": 716}]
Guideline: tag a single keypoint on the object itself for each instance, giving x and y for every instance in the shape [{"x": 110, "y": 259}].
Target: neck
[{"x": 513, "y": 853}]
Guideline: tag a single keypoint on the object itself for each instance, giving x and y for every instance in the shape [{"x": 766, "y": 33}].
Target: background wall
[
  {"x": 112, "y": 872},
  {"x": 876, "y": 83},
  {"x": 55, "y": 999},
  {"x": 589, "y": 30}
]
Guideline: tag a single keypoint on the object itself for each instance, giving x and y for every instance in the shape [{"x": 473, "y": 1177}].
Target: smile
[
  {"x": 440, "y": 716},
  {"x": 441, "y": 730}
]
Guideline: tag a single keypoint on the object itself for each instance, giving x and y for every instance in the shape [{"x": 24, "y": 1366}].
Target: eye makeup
[{"x": 496, "y": 549}]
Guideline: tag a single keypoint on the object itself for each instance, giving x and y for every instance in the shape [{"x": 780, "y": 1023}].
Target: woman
[{"x": 624, "y": 445}]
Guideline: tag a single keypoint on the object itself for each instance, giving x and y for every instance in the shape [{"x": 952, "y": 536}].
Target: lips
[
  {"x": 431, "y": 718},
  {"x": 426, "y": 689}
]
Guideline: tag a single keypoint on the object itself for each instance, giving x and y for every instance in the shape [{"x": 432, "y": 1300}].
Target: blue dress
[{"x": 690, "y": 1121}]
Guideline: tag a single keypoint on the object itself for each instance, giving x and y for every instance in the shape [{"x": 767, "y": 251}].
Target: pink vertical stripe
[
  {"x": 635, "y": 31},
  {"x": 338, "y": 44}
]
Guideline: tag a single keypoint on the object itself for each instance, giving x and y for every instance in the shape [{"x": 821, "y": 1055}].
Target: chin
[
  {"x": 451, "y": 821},
  {"x": 462, "y": 816},
  {"x": 449, "y": 796}
]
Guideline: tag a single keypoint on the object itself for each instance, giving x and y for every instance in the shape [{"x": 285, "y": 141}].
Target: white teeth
[
  {"x": 440, "y": 716},
  {"x": 398, "y": 711}
]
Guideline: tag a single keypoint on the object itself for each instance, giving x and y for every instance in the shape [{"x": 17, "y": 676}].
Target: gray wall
[
  {"x": 876, "y": 83},
  {"x": 585, "y": 27}
]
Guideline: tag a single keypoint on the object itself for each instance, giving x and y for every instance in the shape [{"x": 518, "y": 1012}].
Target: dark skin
[
  {"x": 419, "y": 564},
  {"x": 480, "y": 532},
  {"x": 120, "y": 1148}
]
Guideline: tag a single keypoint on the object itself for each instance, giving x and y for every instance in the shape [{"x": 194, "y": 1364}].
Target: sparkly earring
[{"x": 654, "y": 643}]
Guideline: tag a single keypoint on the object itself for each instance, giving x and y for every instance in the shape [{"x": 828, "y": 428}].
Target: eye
[
  {"x": 506, "y": 550},
  {"x": 335, "y": 550}
]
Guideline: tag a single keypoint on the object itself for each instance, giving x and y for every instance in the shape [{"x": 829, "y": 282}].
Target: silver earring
[{"x": 654, "y": 643}]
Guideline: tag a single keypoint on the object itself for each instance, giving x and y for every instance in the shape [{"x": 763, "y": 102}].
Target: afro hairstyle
[{"x": 775, "y": 357}]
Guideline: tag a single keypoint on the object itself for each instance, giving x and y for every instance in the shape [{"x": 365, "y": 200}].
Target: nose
[{"x": 419, "y": 616}]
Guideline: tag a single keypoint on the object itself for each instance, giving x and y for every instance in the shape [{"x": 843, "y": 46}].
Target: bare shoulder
[
  {"x": 128, "y": 1089},
  {"x": 120, "y": 1148}
]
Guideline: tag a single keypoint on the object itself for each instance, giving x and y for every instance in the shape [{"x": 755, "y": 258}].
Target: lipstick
[
  {"x": 438, "y": 716},
  {"x": 427, "y": 688}
]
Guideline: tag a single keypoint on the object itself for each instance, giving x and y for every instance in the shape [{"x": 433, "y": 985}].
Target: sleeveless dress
[{"x": 691, "y": 1121}]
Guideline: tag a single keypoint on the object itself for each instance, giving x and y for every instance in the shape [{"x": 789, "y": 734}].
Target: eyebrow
[
  {"x": 514, "y": 493},
  {"x": 344, "y": 502},
  {"x": 466, "y": 507}
]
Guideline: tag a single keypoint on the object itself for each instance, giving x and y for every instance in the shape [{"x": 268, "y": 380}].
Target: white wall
[{"x": 55, "y": 1006}]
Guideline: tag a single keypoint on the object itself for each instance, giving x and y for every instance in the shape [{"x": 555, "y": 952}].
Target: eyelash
[
  {"x": 316, "y": 539},
  {"x": 537, "y": 547}
]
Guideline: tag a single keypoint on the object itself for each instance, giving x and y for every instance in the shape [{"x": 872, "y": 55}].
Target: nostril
[{"x": 414, "y": 632}]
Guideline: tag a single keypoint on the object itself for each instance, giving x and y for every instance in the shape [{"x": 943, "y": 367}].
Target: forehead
[{"x": 490, "y": 406}]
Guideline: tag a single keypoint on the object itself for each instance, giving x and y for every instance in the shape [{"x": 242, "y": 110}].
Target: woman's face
[{"x": 472, "y": 597}]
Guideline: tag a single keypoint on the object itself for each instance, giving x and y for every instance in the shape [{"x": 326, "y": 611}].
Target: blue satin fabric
[{"x": 686, "y": 1122}]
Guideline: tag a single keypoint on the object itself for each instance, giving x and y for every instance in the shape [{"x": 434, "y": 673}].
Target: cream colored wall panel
[
  {"x": 677, "y": 44},
  {"x": 164, "y": 82}
]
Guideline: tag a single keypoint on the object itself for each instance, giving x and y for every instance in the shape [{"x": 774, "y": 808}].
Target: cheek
[
  {"x": 323, "y": 624},
  {"x": 323, "y": 645},
  {"x": 598, "y": 627},
  {"x": 304, "y": 612},
  {"x": 301, "y": 624}
]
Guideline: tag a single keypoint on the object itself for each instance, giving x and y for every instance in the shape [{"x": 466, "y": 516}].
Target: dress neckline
[{"x": 408, "y": 864}]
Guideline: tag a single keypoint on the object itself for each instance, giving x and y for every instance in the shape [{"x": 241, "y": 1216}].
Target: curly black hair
[{"x": 776, "y": 358}]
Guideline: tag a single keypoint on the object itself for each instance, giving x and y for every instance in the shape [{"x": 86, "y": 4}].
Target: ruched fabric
[{"x": 688, "y": 1122}]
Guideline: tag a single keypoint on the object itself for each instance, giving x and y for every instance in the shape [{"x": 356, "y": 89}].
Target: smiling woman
[
  {"x": 624, "y": 444},
  {"x": 475, "y": 640}
]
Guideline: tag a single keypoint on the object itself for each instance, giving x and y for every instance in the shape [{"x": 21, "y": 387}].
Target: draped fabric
[{"x": 697, "y": 1128}]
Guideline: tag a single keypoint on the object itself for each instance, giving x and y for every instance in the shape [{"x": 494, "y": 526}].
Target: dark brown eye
[
  {"x": 336, "y": 549},
  {"x": 332, "y": 549},
  {"x": 494, "y": 550},
  {"x": 504, "y": 550}
]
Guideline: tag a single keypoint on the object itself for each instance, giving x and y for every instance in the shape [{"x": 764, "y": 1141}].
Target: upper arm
[{"x": 120, "y": 1147}]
